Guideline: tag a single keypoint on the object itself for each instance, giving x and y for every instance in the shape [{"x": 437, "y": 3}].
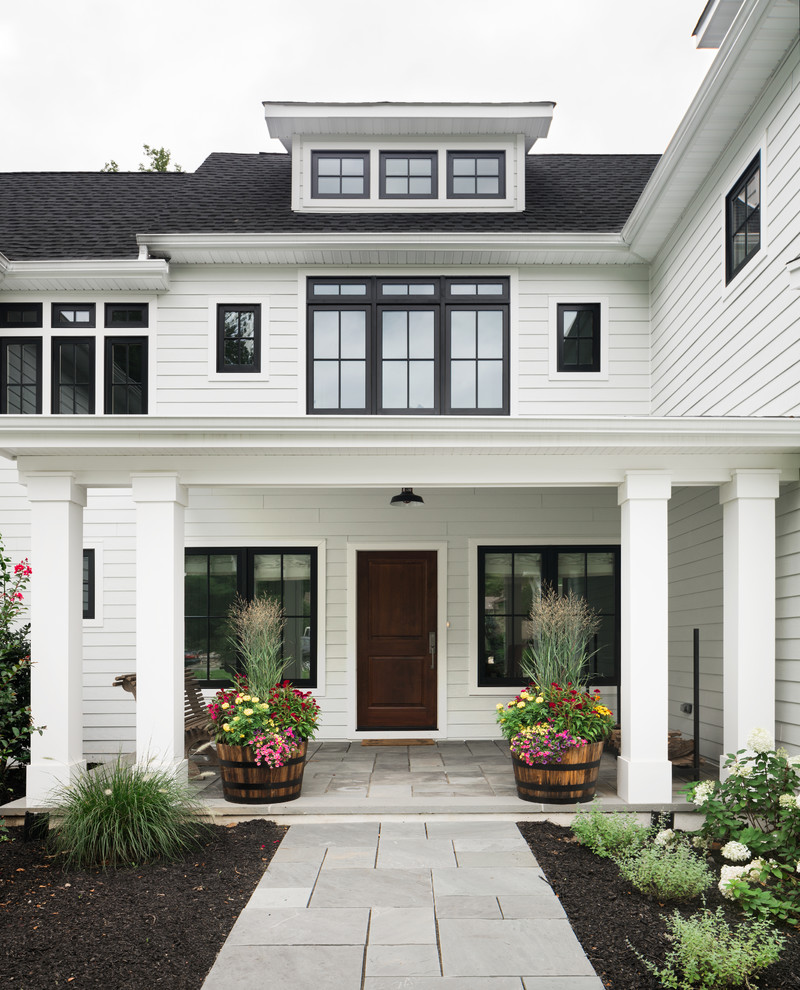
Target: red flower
[{"x": 552, "y": 704}]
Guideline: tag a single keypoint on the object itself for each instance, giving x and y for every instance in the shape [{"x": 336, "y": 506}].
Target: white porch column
[
  {"x": 56, "y": 632},
  {"x": 644, "y": 774},
  {"x": 160, "y": 503},
  {"x": 748, "y": 605}
]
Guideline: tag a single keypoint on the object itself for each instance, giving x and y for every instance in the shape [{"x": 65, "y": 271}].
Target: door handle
[{"x": 432, "y": 647}]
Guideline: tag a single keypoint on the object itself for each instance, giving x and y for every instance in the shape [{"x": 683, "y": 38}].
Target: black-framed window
[
  {"x": 125, "y": 376},
  {"x": 340, "y": 174},
  {"x": 20, "y": 316},
  {"x": 416, "y": 346},
  {"x": 408, "y": 175},
  {"x": 743, "y": 219},
  {"x": 127, "y": 315},
  {"x": 476, "y": 174},
  {"x": 238, "y": 337},
  {"x": 214, "y": 577},
  {"x": 20, "y": 375},
  {"x": 578, "y": 336},
  {"x": 508, "y": 579},
  {"x": 75, "y": 316},
  {"x": 73, "y": 375},
  {"x": 89, "y": 587}
]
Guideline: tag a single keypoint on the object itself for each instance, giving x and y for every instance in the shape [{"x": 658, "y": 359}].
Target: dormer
[{"x": 408, "y": 157}]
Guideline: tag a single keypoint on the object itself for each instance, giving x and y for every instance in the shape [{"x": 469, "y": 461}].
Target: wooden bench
[{"x": 196, "y": 720}]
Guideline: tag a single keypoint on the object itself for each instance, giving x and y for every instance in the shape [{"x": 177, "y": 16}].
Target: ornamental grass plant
[
  {"x": 257, "y": 635},
  {"x": 123, "y": 814},
  {"x": 562, "y": 627}
]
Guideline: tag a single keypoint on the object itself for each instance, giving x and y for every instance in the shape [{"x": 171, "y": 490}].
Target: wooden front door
[{"x": 396, "y": 650}]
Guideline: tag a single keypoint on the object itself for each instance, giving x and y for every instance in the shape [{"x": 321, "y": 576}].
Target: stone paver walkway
[{"x": 422, "y": 905}]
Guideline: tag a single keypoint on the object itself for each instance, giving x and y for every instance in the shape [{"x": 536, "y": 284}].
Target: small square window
[
  {"x": 78, "y": 315},
  {"x": 476, "y": 174},
  {"x": 20, "y": 316},
  {"x": 578, "y": 337},
  {"x": 743, "y": 220},
  {"x": 340, "y": 174},
  {"x": 408, "y": 175},
  {"x": 239, "y": 338},
  {"x": 126, "y": 315}
]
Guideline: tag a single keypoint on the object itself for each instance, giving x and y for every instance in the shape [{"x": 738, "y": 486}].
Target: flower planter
[
  {"x": 573, "y": 780},
  {"x": 244, "y": 782}
]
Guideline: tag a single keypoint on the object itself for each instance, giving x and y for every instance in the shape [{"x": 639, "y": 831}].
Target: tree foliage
[{"x": 157, "y": 160}]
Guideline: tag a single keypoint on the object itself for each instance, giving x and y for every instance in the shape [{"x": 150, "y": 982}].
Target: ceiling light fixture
[{"x": 407, "y": 497}]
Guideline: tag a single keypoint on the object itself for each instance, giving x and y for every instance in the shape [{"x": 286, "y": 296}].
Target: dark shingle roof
[{"x": 81, "y": 215}]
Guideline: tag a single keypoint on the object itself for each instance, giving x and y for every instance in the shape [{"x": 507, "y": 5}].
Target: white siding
[
  {"x": 734, "y": 351},
  {"x": 787, "y": 645},
  {"x": 186, "y": 328},
  {"x": 695, "y": 601}
]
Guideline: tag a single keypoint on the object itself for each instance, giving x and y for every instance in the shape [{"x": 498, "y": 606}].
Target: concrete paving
[
  {"x": 473, "y": 777},
  {"x": 426, "y": 904}
]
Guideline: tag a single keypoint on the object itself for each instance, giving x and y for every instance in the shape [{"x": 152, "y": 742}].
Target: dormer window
[
  {"x": 340, "y": 174},
  {"x": 476, "y": 174},
  {"x": 408, "y": 175}
]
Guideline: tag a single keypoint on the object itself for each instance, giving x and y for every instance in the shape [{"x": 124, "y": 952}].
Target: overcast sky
[{"x": 83, "y": 81}]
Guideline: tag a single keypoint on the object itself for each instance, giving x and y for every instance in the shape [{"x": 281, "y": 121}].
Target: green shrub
[
  {"x": 708, "y": 953},
  {"x": 609, "y": 834},
  {"x": 125, "y": 815},
  {"x": 667, "y": 873}
]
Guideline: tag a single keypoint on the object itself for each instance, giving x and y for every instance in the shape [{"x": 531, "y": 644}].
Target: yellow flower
[
  {"x": 246, "y": 697},
  {"x": 256, "y": 700},
  {"x": 520, "y": 704},
  {"x": 248, "y": 711},
  {"x": 226, "y": 728},
  {"x": 224, "y": 706},
  {"x": 499, "y": 707},
  {"x": 539, "y": 700},
  {"x": 524, "y": 695},
  {"x": 263, "y": 706}
]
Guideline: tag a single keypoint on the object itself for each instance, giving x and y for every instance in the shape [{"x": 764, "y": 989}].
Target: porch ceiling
[{"x": 344, "y": 451}]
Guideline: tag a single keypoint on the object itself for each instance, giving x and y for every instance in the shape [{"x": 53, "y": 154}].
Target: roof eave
[{"x": 140, "y": 275}]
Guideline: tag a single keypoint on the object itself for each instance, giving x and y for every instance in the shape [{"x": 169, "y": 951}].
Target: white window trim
[
  {"x": 473, "y": 690},
  {"x": 554, "y": 375},
  {"x": 514, "y": 201},
  {"x": 243, "y": 298},
  {"x": 99, "y": 597},
  {"x": 265, "y": 539},
  {"x": 743, "y": 278}
]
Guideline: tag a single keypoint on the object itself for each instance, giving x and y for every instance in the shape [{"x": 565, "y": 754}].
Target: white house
[{"x": 585, "y": 365}]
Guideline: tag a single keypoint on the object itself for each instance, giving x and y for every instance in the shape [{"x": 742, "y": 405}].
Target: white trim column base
[
  {"x": 56, "y": 633},
  {"x": 644, "y": 774}
]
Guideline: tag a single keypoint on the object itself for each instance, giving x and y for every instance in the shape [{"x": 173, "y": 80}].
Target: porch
[{"x": 444, "y": 777}]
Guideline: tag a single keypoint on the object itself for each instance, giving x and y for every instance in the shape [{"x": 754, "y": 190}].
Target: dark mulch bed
[
  {"x": 606, "y": 911},
  {"x": 136, "y": 929}
]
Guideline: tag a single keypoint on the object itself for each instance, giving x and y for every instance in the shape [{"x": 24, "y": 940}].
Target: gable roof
[{"x": 97, "y": 215}]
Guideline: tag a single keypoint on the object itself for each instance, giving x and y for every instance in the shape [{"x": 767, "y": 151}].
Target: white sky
[{"x": 83, "y": 81}]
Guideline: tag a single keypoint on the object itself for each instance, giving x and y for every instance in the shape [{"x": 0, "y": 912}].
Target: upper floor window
[
  {"x": 21, "y": 371},
  {"x": 80, "y": 315},
  {"x": 408, "y": 346},
  {"x": 20, "y": 316},
  {"x": 73, "y": 375},
  {"x": 476, "y": 174},
  {"x": 125, "y": 375},
  {"x": 408, "y": 175},
  {"x": 578, "y": 337},
  {"x": 340, "y": 174},
  {"x": 125, "y": 315},
  {"x": 743, "y": 219},
  {"x": 238, "y": 337}
]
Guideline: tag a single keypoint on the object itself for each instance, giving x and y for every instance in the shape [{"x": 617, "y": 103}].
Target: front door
[{"x": 396, "y": 632}]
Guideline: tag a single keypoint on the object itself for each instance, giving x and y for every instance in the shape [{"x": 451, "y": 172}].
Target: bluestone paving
[{"x": 399, "y": 905}]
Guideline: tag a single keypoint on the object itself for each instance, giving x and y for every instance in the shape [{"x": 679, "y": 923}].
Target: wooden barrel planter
[
  {"x": 244, "y": 782},
  {"x": 573, "y": 780}
]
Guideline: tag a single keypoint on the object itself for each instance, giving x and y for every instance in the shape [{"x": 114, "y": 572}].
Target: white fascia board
[
  {"x": 696, "y": 146},
  {"x": 26, "y": 433},
  {"x": 102, "y": 276},
  {"x": 285, "y": 120},
  {"x": 4, "y": 266},
  {"x": 327, "y": 247},
  {"x": 716, "y": 19}
]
